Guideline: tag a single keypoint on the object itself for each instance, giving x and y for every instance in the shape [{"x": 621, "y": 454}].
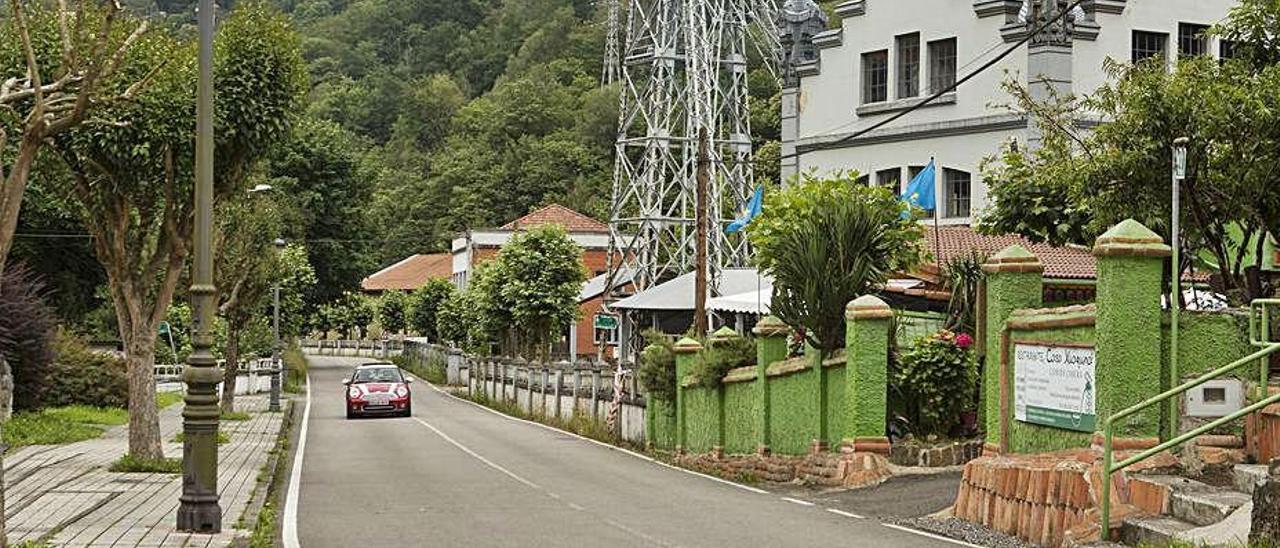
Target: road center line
[
  {"x": 290, "y": 533},
  {"x": 798, "y": 501},
  {"x": 478, "y": 456},
  {"x": 929, "y": 535},
  {"x": 840, "y": 512}
]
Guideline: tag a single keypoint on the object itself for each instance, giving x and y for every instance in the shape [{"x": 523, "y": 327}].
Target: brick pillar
[
  {"x": 868, "y": 321},
  {"x": 1130, "y": 273},
  {"x": 771, "y": 346},
  {"x": 686, "y": 349},
  {"x": 1015, "y": 279}
]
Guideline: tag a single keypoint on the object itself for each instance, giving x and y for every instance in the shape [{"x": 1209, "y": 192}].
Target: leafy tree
[
  {"x": 452, "y": 319},
  {"x": 425, "y": 305},
  {"x": 296, "y": 281},
  {"x": 392, "y": 312},
  {"x": 361, "y": 313},
  {"x": 131, "y": 174},
  {"x": 487, "y": 312},
  {"x": 541, "y": 275},
  {"x": 827, "y": 241}
]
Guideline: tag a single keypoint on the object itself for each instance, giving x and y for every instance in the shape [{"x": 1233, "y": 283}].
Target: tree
[
  {"x": 540, "y": 276},
  {"x": 827, "y": 241},
  {"x": 244, "y": 272},
  {"x": 425, "y": 305},
  {"x": 392, "y": 312},
  {"x": 452, "y": 320},
  {"x": 296, "y": 281},
  {"x": 132, "y": 174}
]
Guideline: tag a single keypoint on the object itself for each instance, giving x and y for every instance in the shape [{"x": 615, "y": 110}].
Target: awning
[
  {"x": 751, "y": 302},
  {"x": 677, "y": 294}
]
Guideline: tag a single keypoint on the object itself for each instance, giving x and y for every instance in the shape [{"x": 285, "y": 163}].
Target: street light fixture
[
  {"x": 198, "y": 508},
  {"x": 260, "y": 187},
  {"x": 1175, "y": 244},
  {"x": 277, "y": 368}
]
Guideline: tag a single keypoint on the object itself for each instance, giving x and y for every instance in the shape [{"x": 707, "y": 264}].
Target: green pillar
[
  {"x": 686, "y": 349},
  {"x": 721, "y": 336},
  {"x": 1015, "y": 279},
  {"x": 771, "y": 347},
  {"x": 1130, "y": 271},
  {"x": 866, "y": 375},
  {"x": 819, "y": 390}
]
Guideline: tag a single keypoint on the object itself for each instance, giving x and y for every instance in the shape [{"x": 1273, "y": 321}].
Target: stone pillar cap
[
  {"x": 723, "y": 334},
  {"x": 1130, "y": 238},
  {"x": 769, "y": 326},
  {"x": 867, "y": 307},
  {"x": 687, "y": 346},
  {"x": 1014, "y": 258}
]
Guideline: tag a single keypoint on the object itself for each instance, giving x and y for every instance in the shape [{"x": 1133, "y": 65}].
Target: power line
[
  {"x": 52, "y": 236},
  {"x": 898, "y": 115}
]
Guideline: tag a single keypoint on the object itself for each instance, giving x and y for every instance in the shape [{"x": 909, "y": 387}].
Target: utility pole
[
  {"x": 198, "y": 509},
  {"x": 277, "y": 368},
  {"x": 700, "y": 261}
]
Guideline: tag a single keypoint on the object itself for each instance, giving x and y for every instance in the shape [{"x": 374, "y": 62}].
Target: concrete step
[
  {"x": 1206, "y": 506},
  {"x": 1153, "y": 530},
  {"x": 1248, "y": 476}
]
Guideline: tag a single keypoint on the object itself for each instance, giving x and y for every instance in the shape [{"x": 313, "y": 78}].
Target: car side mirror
[
  {"x": 408, "y": 380},
  {"x": 346, "y": 382}
]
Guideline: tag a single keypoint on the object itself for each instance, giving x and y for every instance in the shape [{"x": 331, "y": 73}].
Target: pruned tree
[
  {"x": 540, "y": 275},
  {"x": 392, "y": 309},
  {"x": 425, "y": 305}
]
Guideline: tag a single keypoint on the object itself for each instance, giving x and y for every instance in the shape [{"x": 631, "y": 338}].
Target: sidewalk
[{"x": 64, "y": 494}]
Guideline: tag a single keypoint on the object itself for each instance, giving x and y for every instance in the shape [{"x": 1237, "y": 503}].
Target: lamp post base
[{"x": 200, "y": 514}]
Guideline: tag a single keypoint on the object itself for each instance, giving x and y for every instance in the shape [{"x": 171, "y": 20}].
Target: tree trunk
[
  {"x": 228, "y": 404},
  {"x": 15, "y": 184},
  {"x": 144, "y": 418}
]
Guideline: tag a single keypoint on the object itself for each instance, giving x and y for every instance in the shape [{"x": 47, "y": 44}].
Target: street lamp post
[
  {"x": 1175, "y": 297},
  {"x": 277, "y": 368},
  {"x": 198, "y": 509}
]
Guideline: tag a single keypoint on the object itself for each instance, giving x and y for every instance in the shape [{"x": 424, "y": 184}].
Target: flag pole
[{"x": 937, "y": 240}]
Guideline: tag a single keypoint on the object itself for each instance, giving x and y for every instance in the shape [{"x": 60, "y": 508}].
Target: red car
[{"x": 378, "y": 388}]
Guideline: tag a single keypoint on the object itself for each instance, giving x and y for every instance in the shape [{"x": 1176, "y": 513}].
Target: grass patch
[
  {"x": 235, "y": 416},
  {"x": 41, "y": 428},
  {"x": 264, "y": 531},
  {"x": 86, "y": 414},
  {"x": 165, "y": 399},
  {"x": 295, "y": 362},
  {"x": 582, "y": 425},
  {"x": 130, "y": 464},
  {"x": 430, "y": 370},
  {"x": 223, "y": 437},
  {"x": 32, "y": 544}
]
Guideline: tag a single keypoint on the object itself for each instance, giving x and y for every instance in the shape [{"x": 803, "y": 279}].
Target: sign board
[
  {"x": 605, "y": 321},
  {"x": 1055, "y": 386}
]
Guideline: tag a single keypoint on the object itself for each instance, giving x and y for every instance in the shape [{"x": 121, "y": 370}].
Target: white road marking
[
  {"x": 929, "y": 535},
  {"x": 478, "y": 456},
  {"x": 577, "y": 507},
  {"x": 290, "y": 533},
  {"x": 840, "y": 512},
  {"x": 603, "y": 444},
  {"x": 798, "y": 501}
]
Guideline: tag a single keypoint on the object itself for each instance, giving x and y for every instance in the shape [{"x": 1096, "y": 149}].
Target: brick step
[
  {"x": 1248, "y": 476},
  {"x": 1206, "y": 507},
  {"x": 1153, "y": 530}
]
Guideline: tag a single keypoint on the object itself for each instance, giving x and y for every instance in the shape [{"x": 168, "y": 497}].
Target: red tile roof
[
  {"x": 557, "y": 214},
  {"x": 1070, "y": 262},
  {"x": 411, "y": 273}
]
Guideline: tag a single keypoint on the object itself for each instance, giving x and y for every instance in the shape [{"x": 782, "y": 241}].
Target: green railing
[{"x": 1258, "y": 336}]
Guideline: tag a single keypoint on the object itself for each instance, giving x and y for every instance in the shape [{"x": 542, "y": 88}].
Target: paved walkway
[{"x": 63, "y": 494}]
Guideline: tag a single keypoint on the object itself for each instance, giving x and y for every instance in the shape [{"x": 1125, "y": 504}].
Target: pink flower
[{"x": 963, "y": 340}]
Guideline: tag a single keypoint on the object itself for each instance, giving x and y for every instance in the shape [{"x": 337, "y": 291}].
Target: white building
[{"x": 887, "y": 55}]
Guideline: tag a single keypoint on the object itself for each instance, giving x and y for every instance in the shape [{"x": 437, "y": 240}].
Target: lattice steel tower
[{"x": 683, "y": 73}]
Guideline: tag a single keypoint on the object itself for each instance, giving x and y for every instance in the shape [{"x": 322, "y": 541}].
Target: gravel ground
[{"x": 965, "y": 531}]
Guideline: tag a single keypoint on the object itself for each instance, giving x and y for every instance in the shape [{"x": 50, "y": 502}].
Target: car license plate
[{"x": 380, "y": 399}]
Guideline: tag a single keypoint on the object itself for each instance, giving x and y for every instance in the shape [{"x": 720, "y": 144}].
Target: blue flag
[
  {"x": 748, "y": 213},
  {"x": 920, "y": 191}
]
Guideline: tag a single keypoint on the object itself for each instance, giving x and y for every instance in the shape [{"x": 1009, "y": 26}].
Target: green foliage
[
  {"x": 937, "y": 379},
  {"x": 391, "y": 311},
  {"x": 131, "y": 464},
  {"x": 453, "y": 319},
  {"x": 296, "y": 366},
  {"x": 719, "y": 356},
  {"x": 80, "y": 376},
  {"x": 540, "y": 276},
  {"x": 827, "y": 241},
  {"x": 657, "y": 372},
  {"x": 425, "y": 306},
  {"x": 221, "y": 438},
  {"x": 963, "y": 274},
  {"x": 36, "y": 428},
  {"x": 236, "y": 416},
  {"x": 165, "y": 399},
  {"x": 297, "y": 279},
  {"x": 431, "y": 370},
  {"x": 350, "y": 315},
  {"x": 26, "y": 336}
]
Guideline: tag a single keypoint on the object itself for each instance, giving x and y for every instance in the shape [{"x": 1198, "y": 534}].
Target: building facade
[{"x": 884, "y": 56}]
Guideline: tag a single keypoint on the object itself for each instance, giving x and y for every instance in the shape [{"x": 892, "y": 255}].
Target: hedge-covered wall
[
  {"x": 662, "y": 415},
  {"x": 741, "y": 427},
  {"x": 793, "y": 408},
  {"x": 835, "y": 404},
  {"x": 701, "y": 418},
  {"x": 1209, "y": 340}
]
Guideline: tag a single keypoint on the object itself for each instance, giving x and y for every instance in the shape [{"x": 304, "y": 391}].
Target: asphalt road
[{"x": 456, "y": 474}]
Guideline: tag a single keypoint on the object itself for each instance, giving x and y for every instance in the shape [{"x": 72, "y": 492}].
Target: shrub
[
  {"x": 392, "y": 310},
  {"x": 26, "y": 336},
  {"x": 714, "y": 362},
  {"x": 425, "y": 305},
  {"x": 80, "y": 376},
  {"x": 936, "y": 379},
  {"x": 657, "y": 373}
]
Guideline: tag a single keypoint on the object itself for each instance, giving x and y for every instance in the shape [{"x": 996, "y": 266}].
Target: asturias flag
[
  {"x": 920, "y": 191},
  {"x": 748, "y": 213}
]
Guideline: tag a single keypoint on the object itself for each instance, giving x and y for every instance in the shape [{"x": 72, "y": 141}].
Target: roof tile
[
  {"x": 571, "y": 220},
  {"x": 411, "y": 273}
]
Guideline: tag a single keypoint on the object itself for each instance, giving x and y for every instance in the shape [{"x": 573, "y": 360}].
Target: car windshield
[{"x": 377, "y": 374}]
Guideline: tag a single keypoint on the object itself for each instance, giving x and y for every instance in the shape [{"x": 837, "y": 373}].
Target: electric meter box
[{"x": 1216, "y": 398}]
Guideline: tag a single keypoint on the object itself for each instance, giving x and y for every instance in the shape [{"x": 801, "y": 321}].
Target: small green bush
[
  {"x": 39, "y": 428},
  {"x": 221, "y": 438},
  {"x": 80, "y": 376},
  {"x": 128, "y": 463},
  {"x": 718, "y": 357},
  {"x": 26, "y": 336},
  {"x": 657, "y": 373},
  {"x": 937, "y": 381}
]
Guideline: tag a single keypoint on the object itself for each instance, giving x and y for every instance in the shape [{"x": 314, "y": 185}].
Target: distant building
[
  {"x": 409, "y": 274},
  {"x": 888, "y": 55}
]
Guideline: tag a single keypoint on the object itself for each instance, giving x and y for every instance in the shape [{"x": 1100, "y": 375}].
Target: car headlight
[
  {"x": 401, "y": 391},
  {"x": 354, "y": 393}
]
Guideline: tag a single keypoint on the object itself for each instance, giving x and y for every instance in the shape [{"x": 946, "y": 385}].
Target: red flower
[{"x": 963, "y": 340}]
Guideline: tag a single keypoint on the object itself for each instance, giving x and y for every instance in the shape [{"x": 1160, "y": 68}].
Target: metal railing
[{"x": 1258, "y": 336}]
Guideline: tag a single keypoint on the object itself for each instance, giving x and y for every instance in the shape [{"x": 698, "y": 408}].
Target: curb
[{"x": 265, "y": 488}]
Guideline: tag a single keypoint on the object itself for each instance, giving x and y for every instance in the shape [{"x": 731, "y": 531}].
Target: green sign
[
  {"x": 1055, "y": 386},
  {"x": 164, "y": 328},
  {"x": 605, "y": 321}
]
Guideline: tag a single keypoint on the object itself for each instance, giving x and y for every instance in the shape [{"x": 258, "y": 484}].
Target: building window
[
  {"x": 908, "y": 46},
  {"x": 913, "y": 171},
  {"x": 1193, "y": 39},
  {"x": 1148, "y": 44},
  {"x": 890, "y": 179},
  {"x": 1226, "y": 49},
  {"x": 942, "y": 64},
  {"x": 875, "y": 76},
  {"x": 957, "y": 185},
  {"x": 863, "y": 180}
]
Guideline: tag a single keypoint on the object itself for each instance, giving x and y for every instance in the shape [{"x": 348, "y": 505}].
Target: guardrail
[
  {"x": 1259, "y": 335},
  {"x": 352, "y": 347}
]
